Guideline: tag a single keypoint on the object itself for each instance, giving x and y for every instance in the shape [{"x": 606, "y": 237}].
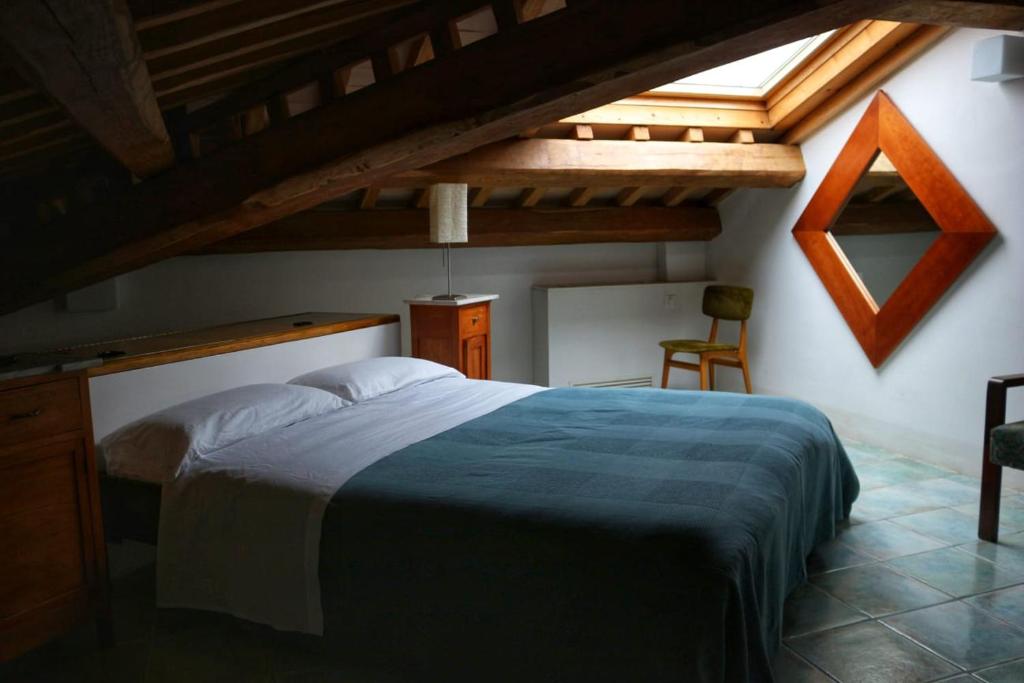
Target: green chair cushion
[
  {"x": 695, "y": 346},
  {"x": 1007, "y": 447},
  {"x": 728, "y": 303}
]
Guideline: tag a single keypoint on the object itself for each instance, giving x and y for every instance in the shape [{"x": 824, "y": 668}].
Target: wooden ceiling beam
[
  {"x": 617, "y": 49},
  {"x": 538, "y": 162},
  {"x": 87, "y": 57},
  {"x": 409, "y": 228}
]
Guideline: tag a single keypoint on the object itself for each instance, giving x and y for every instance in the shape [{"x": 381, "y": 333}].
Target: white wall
[
  {"x": 196, "y": 291},
  {"x": 927, "y": 400}
]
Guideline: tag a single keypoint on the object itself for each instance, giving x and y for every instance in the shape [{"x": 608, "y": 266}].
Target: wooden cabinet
[
  {"x": 53, "y": 569},
  {"x": 454, "y": 333}
]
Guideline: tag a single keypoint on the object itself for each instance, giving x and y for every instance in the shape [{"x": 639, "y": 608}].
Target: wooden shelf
[{"x": 142, "y": 352}]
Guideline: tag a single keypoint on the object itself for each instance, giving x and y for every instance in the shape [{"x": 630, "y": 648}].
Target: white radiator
[
  {"x": 607, "y": 335},
  {"x": 633, "y": 383}
]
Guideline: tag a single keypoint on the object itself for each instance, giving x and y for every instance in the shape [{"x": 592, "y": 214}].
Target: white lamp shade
[{"x": 449, "y": 212}]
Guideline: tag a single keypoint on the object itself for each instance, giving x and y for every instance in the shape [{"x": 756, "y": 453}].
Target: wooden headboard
[{"x": 142, "y": 375}]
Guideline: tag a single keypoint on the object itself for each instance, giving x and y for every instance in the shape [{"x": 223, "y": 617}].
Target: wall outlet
[{"x": 670, "y": 302}]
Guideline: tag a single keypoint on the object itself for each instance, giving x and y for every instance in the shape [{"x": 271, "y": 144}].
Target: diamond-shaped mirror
[
  {"x": 883, "y": 230},
  {"x": 889, "y": 229}
]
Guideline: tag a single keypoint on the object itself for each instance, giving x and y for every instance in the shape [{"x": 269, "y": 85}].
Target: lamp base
[{"x": 448, "y": 297}]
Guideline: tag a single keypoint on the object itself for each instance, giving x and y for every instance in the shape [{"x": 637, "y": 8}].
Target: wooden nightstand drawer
[
  {"x": 474, "y": 320},
  {"x": 39, "y": 410}
]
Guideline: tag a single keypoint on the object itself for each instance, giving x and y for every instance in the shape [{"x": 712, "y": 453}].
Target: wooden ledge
[{"x": 160, "y": 349}]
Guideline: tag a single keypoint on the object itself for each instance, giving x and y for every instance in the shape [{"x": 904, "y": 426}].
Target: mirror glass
[{"x": 883, "y": 230}]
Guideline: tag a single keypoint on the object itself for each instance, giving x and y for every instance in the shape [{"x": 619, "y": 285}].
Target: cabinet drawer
[
  {"x": 474, "y": 320},
  {"x": 47, "y": 409}
]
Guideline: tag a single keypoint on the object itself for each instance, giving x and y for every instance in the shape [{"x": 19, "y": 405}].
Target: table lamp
[{"x": 449, "y": 222}]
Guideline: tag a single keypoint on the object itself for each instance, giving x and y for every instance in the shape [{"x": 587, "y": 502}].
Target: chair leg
[
  {"x": 991, "y": 485},
  {"x": 746, "y": 374},
  {"x": 703, "y": 373},
  {"x": 991, "y": 473},
  {"x": 665, "y": 368},
  {"x": 711, "y": 376}
]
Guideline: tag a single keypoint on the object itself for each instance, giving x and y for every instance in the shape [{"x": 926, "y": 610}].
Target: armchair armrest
[
  {"x": 995, "y": 399},
  {"x": 1008, "y": 381}
]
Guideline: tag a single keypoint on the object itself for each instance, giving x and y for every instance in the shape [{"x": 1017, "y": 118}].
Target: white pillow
[
  {"x": 366, "y": 379},
  {"x": 156, "y": 447}
]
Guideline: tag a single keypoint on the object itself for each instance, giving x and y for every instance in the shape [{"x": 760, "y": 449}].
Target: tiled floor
[{"x": 906, "y": 593}]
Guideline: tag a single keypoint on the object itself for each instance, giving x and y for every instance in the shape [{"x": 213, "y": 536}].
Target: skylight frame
[{"x": 761, "y": 91}]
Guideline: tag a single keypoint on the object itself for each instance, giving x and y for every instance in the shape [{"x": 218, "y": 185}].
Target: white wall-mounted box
[{"x": 999, "y": 58}]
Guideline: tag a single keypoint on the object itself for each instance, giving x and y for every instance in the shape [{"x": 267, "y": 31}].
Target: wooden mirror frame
[{"x": 965, "y": 229}]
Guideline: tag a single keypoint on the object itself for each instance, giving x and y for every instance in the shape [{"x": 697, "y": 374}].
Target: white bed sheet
[{"x": 240, "y": 528}]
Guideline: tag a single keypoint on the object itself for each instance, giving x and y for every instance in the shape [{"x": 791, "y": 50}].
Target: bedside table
[
  {"x": 53, "y": 571},
  {"x": 454, "y": 333}
]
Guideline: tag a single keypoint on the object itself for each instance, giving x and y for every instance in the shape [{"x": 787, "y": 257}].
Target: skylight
[{"x": 752, "y": 76}]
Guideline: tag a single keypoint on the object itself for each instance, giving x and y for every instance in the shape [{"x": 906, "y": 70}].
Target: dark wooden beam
[
  {"x": 617, "y": 49},
  {"x": 998, "y": 14},
  {"x": 409, "y": 228},
  {"x": 87, "y": 57}
]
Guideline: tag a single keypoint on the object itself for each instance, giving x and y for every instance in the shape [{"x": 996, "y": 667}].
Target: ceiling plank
[
  {"x": 265, "y": 42},
  {"x": 617, "y": 49},
  {"x": 87, "y": 56},
  {"x": 409, "y": 228},
  {"x": 223, "y": 23},
  {"x": 538, "y": 162}
]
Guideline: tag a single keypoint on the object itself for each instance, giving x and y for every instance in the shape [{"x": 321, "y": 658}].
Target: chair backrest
[{"x": 728, "y": 303}]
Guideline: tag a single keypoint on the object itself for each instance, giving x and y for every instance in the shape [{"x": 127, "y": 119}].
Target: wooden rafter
[
  {"x": 479, "y": 196},
  {"x": 618, "y": 49},
  {"x": 369, "y": 197},
  {"x": 628, "y": 196},
  {"x": 529, "y": 197},
  {"x": 409, "y": 229},
  {"x": 675, "y": 196},
  {"x": 87, "y": 57},
  {"x": 580, "y": 196}
]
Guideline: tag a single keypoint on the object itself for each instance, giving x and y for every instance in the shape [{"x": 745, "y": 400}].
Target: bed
[{"x": 503, "y": 532}]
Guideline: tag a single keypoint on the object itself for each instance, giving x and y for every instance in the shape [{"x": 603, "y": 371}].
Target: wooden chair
[
  {"x": 720, "y": 303},
  {"x": 1003, "y": 447}
]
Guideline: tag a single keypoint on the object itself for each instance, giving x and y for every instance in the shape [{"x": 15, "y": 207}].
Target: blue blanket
[{"x": 586, "y": 535}]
